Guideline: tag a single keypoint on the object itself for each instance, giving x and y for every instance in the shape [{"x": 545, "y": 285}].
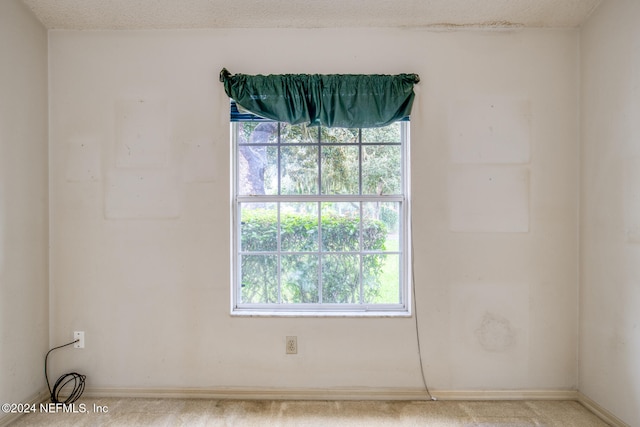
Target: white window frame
[{"x": 403, "y": 309}]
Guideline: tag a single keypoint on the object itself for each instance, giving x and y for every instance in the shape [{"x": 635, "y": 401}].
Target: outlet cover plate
[
  {"x": 78, "y": 335},
  {"x": 291, "y": 345}
]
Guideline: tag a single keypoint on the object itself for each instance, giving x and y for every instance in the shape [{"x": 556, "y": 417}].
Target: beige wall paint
[
  {"x": 24, "y": 280},
  {"x": 140, "y": 246},
  {"x": 610, "y": 210}
]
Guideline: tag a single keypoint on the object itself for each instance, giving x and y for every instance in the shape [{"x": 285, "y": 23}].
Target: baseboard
[
  {"x": 329, "y": 394},
  {"x": 604, "y": 414},
  {"x": 36, "y": 399},
  {"x": 507, "y": 395},
  {"x": 262, "y": 393}
]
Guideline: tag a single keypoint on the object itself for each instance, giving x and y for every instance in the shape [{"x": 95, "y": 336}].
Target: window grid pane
[{"x": 301, "y": 248}]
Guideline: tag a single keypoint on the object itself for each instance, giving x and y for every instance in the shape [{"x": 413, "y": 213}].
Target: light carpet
[{"x": 278, "y": 413}]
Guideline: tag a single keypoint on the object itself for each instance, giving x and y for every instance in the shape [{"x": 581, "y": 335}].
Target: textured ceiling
[{"x": 445, "y": 14}]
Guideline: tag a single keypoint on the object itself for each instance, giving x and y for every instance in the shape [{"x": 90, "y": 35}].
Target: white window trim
[{"x": 402, "y": 310}]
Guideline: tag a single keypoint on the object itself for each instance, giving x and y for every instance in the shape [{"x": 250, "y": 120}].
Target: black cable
[{"x": 78, "y": 381}]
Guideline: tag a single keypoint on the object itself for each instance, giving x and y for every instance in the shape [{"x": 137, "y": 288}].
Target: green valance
[{"x": 333, "y": 100}]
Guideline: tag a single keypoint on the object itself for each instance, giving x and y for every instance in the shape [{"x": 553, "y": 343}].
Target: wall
[
  {"x": 24, "y": 280},
  {"x": 610, "y": 210},
  {"x": 140, "y": 211}
]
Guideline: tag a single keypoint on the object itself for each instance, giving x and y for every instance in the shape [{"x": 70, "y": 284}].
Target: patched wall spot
[{"x": 495, "y": 333}]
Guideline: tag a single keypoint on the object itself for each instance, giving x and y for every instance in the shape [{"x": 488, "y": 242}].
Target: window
[{"x": 320, "y": 219}]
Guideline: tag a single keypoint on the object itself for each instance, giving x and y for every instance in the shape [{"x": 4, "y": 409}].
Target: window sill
[{"x": 247, "y": 312}]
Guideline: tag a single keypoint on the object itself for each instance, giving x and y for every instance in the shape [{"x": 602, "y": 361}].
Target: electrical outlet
[
  {"x": 291, "y": 345},
  {"x": 79, "y": 336}
]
